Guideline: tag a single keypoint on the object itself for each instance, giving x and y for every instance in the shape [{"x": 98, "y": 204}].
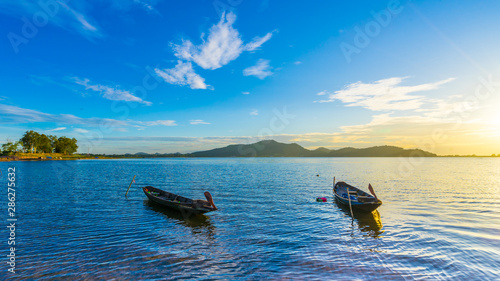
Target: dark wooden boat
[
  {"x": 360, "y": 200},
  {"x": 177, "y": 202}
]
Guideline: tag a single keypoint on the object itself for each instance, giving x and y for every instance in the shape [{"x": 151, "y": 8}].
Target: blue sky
[{"x": 169, "y": 76}]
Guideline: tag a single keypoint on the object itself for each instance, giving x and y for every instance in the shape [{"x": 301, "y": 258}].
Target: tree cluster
[{"x": 33, "y": 142}]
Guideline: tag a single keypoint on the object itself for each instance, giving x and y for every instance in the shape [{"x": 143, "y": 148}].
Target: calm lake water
[{"x": 440, "y": 219}]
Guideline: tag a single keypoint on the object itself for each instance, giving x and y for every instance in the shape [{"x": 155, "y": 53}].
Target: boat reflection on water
[
  {"x": 369, "y": 223},
  {"x": 199, "y": 223}
]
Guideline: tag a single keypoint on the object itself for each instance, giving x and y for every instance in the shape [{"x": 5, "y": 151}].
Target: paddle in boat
[
  {"x": 177, "y": 202},
  {"x": 356, "y": 198}
]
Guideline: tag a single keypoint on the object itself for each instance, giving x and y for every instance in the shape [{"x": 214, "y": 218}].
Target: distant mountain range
[{"x": 271, "y": 148}]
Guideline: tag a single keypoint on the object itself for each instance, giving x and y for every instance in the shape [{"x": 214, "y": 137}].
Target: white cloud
[
  {"x": 183, "y": 74},
  {"x": 261, "y": 70},
  {"x": 57, "y": 129},
  {"x": 14, "y": 114},
  {"x": 383, "y": 94},
  {"x": 322, "y": 93},
  {"x": 110, "y": 93},
  {"x": 126, "y": 5},
  {"x": 73, "y": 16},
  {"x": 80, "y": 131},
  {"x": 405, "y": 132},
  {"x": 257, "y": 42},
  {"x": 254, "y": 112},
  {"x": 63, "y": 14},
  {"x": 198, "y": 122},
  {"x": 17, "y": 115},
  {"x": 246, "y": 93},
  {"x": 145, "y": 5},
  {"x": 297, "y": 62},
  {"x": 438, "y": 135},
  {"x": 222, "y": 45},
  {"x": 80, "y": 18},
  {"x": 21, "y": 115},
  {"x": 156, "y": 123}
]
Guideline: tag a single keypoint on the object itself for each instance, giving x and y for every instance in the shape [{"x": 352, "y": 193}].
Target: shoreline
[{"x": 17, "y": 159}]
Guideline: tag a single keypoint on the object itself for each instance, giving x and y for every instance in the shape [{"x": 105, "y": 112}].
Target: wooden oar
[
  {"x": 130, "y": 186},
  {"x": 372, "y": 191},
  {"x": 209, "y": 199}
]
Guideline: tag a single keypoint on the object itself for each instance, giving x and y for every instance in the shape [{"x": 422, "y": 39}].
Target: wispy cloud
[
  {"x": 80, "y": 131},
  {"x": 73, "y": 16},
  {"x": 126, "y": 5},
  {"x": 57, "y": 129},
  {"x": 198, "y": 122},
  {"x": 84, "y": 24},
  {"x": 246, "y": 93},
  {"x": 110, "y": 93},
  {"x": 261, "y": 70},
  {"x": 439, "y": 135},
  {"x": 14, "y": 114},
  {"x": 386, "y": 94},
  {"x": 17, "y": 115},
  {"x": 147, "y": 6},
  {"x": 64, "y": 14},
  {"x": 406, "y": 132},
  {"x": 156, "y": 123},
  {"x": 254, "y": 112},
  {"x": 222, "y": 45},
  {"x": 257, "y": 42},
  {"x": 182, "y": 74}
]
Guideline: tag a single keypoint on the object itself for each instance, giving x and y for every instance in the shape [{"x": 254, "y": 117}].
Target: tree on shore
[
  {"x": 10, "y": 147},
  {"x": 44, "y": 144},
  {"x": 53, "y": 141},
  {"x": 32, "y": 142},
  {"x": 66, "y": 145}
]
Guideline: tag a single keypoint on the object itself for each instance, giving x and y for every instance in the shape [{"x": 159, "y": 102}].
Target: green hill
[
  {"x": 271, "y": 148},
  {"x": 265, "y": 148},
  {"x": 379, "y": 151}
]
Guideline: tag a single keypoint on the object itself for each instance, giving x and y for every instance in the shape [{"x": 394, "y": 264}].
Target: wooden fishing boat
[
  {"x": 177, "y": 202},
  {"x": 359, "y": 200}
]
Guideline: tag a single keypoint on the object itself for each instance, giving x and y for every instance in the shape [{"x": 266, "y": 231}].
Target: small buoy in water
[{"x": 321, "y": 199}]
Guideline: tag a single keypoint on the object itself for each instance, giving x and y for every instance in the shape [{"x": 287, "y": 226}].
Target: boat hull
[
  {"x": 176, "y": 202},
  {"x": 368, "y": 204},
  {"x": 359, "y": 206}
]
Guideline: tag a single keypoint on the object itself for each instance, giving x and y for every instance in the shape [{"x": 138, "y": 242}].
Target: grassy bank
[{"x": 49, "y": 156}]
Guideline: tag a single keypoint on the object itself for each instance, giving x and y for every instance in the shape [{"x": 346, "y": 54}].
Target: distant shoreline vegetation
[
  {"x": 35, "y": 146},
  {"x": 271, "y": 148}
]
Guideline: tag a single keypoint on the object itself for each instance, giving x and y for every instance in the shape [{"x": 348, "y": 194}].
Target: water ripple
[{"x": 75, "y": 223}]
